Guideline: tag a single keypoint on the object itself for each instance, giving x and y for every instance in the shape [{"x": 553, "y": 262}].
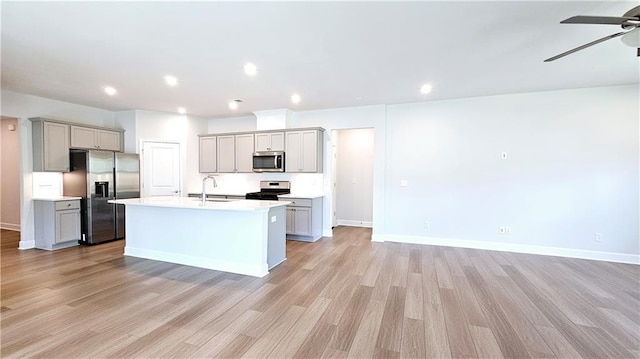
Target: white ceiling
[{"x": 334, "y": 54}]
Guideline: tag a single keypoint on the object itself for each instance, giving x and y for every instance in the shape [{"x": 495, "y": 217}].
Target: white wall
[
  {"x": 232, "y": 124},
  {"x": 24, "y": 107},
  {"x": 572, "y": 171},
  {"x": 330, "y": 119},
  {"x": 9, "y": 175},
  {"x": 349, "y": 118},
  {"x": 126, "y": 120},
  {"x": 354, "y": 177},
  {"x": 184, "y": 129}
]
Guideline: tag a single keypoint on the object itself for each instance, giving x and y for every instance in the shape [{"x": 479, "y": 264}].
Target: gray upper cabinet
[
  {"x": 226, "y": 154},
  {"x": 93, "y": 138},
  {"x": 50, "y": 146},
  {"x": 304, "y": 151},
  {"x": 235, "y": 153},
  {"x": 270, "y": 141},
  {"x": 109, "y": 140},
  {"x": 244, "y": 153},
  {"x": 208, "y": 154}
]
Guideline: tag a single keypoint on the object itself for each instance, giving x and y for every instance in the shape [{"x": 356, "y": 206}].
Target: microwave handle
[{"x": 275, "y": 161}]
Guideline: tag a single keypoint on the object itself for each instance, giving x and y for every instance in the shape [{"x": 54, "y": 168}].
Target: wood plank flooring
[{"x": 341, "y": 297}]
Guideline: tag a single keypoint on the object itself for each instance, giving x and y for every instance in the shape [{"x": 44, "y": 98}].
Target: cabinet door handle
[{"x": 68, "y": 204}]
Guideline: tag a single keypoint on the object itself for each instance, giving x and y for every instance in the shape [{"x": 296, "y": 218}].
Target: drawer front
[
  {"x": 298, "y": 202},
  {"x": 61, "y": 205}
]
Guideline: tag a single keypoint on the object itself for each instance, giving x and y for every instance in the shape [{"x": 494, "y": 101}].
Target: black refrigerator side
[
  {"x": 127, "y": 181},
  {"x": 101, "y": 190},
  {"x": 75, "y": 183}
]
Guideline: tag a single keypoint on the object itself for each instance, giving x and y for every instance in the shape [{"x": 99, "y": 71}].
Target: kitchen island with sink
[{"x": 245, "y": 236}]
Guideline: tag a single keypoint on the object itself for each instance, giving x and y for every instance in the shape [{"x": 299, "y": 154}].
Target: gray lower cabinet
[
  {"x": 57, "y": 223},
  {"x": 304, "y": 219}
]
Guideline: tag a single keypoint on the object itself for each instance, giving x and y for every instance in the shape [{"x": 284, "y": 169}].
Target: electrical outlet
[
  {"x": 426, "y": 224},
  {"x": 507, "y": 230},
  {"x": 502, "y": 230},
  {"x": 598, "y": 237}
]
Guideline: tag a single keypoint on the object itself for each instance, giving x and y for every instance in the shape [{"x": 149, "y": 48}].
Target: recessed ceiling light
[
  {"x": 250, "y": 69},
  {"x": 295, "y": 98},
  {"x": 233, "y": 104},
  {"x": 426, "y": 88},
  {"x": 182, "y": 110},
  {"x": 110, "y": 91},
  {"x": 171, "y": 80}
]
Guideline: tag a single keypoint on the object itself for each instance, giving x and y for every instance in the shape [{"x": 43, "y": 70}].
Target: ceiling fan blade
[
  {"x": 584, "y": 46},
  {"x": 633, "y": 12},
  {"x": 600, "y": 20}
]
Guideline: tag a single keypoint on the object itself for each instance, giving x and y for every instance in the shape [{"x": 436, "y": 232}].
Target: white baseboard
[
  {"x": 27, "y": 244},
  {"x": 346, "y": 222},
  {"x": 516, "y": 248},
  {"x": 10, "y": 226}
]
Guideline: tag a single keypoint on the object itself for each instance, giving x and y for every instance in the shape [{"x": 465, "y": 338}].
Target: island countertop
[
  {"x": 239, "y": 236},
  {"x": 196, "y": 203}
]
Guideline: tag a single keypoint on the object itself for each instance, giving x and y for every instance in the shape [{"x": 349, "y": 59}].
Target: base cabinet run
[
  {"x": 304, "y": 219},
  {"x": 57, "y": 224}
]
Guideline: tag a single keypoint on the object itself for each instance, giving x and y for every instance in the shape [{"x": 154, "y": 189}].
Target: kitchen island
[{"x": 245, "y": 236}]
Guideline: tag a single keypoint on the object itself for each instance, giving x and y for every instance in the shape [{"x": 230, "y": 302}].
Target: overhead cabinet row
[
  {"x": 52, "y": 141},
  {"x": 233, "y": 153}
]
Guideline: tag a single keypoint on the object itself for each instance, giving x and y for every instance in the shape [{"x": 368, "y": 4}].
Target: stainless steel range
[{"x": 269, "y": 190}]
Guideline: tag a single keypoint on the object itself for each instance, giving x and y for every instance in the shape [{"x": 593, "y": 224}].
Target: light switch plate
[
  {"x": 273, "y": 219},
  {"x": 404, "y": 183}
]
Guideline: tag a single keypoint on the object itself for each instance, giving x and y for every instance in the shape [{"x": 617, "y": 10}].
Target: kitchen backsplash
[
  {"x": 47, "y": 184},
  {"x": 239, "y": 183}
]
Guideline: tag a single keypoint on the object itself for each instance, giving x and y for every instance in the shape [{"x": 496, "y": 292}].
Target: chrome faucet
[{"x": 204, "y": 182}]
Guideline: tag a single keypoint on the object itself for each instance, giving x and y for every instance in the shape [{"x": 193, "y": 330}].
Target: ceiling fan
[{"x": 630, "y": 22}]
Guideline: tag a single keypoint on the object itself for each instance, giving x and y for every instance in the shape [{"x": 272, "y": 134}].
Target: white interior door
[{"x": 161, "y": 169}]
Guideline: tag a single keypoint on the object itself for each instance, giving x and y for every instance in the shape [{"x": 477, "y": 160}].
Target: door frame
[
  {"x": 17, "y": 227},
  {"x": 335, "y": 152},
  {"x": 180, "y": 167}
]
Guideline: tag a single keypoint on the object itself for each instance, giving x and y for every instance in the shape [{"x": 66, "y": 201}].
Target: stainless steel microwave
[{"x": 268, "y": 161}]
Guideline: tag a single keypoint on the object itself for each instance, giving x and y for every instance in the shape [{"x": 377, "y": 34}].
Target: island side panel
[
  {"x": 277, "y": 250},
  {"x": 230, "y": 241}
]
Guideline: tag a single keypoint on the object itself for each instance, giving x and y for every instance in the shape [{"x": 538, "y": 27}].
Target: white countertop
[
  {"x": 217, "y": 193},
  {"x": 289, "y": 195},
  {"x": 195, "y": 203},
  {"x": 56, "y": 199},
  {"x": 301, "y": 195}
]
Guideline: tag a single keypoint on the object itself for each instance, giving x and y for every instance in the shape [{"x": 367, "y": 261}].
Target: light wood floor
[{"x": 339, "y": 297}]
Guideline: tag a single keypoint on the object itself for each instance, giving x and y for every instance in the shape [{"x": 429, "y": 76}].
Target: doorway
[
  {"x": 10, "y": 172},
  {"x": 353, "y": 182},
  {"x": 161, "y": 170}
]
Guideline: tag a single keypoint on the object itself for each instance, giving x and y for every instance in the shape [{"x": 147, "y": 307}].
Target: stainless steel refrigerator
[{"x": 97, "y": 177}]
